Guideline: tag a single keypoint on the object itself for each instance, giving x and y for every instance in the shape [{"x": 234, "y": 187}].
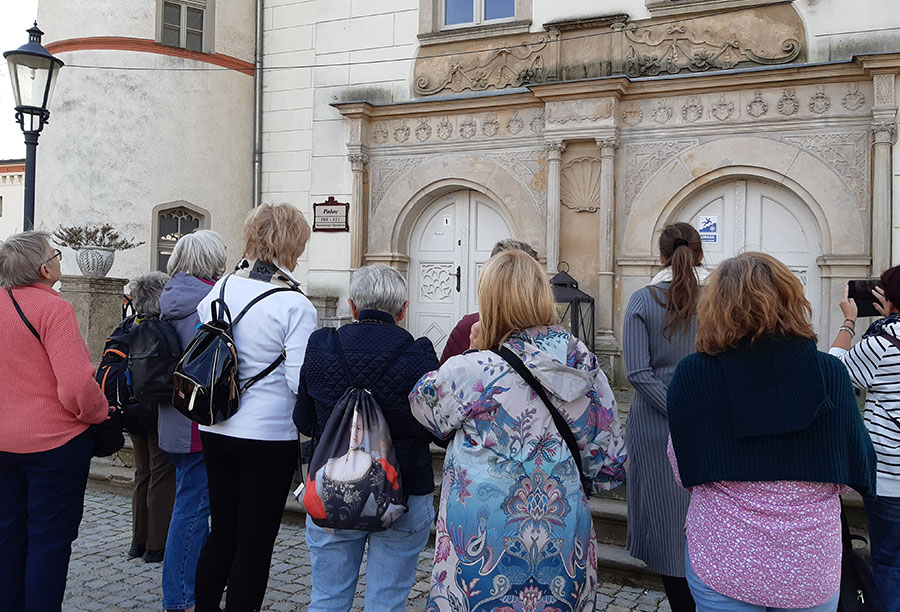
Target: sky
[{"x": 16, "y": 16}]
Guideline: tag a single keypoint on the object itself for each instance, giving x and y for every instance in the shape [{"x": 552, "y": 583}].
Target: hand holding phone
[{"x": 861, "y": 292}]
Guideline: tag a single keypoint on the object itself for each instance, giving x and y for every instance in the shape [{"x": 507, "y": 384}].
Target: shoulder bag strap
[
  {"x": 892, "y": 339},
  {"x": 253, "y": 302},
  {"x": 23, "y": 317},
  {"x": 564, "y": 430}
]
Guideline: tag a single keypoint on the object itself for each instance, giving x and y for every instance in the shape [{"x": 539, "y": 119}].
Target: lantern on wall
[{"x": 574, "y": 306}]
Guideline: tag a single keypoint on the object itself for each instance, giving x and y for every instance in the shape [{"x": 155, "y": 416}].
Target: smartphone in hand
[{"x": 860, "y": 291}]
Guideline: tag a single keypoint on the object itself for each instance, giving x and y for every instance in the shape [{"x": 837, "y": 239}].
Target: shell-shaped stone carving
[{"x": 579, "y": 184}]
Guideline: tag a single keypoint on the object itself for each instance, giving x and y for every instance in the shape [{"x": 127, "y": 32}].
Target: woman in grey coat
[{"x": 660, "y": 325}]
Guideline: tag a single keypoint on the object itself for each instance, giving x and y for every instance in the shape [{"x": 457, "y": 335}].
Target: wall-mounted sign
[
  {"x": 708, "y": 228},
  {"x": 330, "y": 216}
]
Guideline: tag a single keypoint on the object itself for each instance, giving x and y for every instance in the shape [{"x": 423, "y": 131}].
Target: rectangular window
[
  {"x": 499, "y": 9},
  {"x": 1, "y": 206},
  {"x": 477, "y": 12},
  {"x": 183, "y": 25}
]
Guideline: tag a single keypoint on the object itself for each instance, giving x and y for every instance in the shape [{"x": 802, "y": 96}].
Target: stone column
[
  {"x": 605, "y": 306},
  {"x": 554, "y": 155},
  {"x": 883, "y": 132},
  {"x": 358, "y": 210},
  {"x": 98, "y": 308}
]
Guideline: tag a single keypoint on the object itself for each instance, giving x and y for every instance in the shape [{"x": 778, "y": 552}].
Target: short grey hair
[
  {"x": 378, "y": 287},
  {"x": 200, "y": 254},
  {"x": 510, "y": 244},
  {"x": 21, "y": 258},
  {"x": 145, "y": 292}
]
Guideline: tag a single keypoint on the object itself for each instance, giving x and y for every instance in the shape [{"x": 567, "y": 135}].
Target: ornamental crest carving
[
  {"x": 444, "y": 129},
  {"x": 490, "y": 126},
  {"x": 467, "y": 127},
  {"x": 380, "y": 135},
  {"x": 846, "y": 153},
  {"x": 853, "y": 99},
  {"x": 579, "y": 185},
  {"x": 423, "y": 130},
  {"x": 757, "y": 107},
  {"x": 632, "y": 115},
  {"x": 819, "y": 102},
  {"x": 537, "y": 123},
  {"x": 643, "y": 160},
  {"x": 673, "y": 48},
  {"x": 723, "y": 109},
  {"x": 401, "y": 132},
  {"x": 788, "y": 104},
  {"x": 504, "y": 67},
  {"x": 662, "y": 113},
  {"x": 515, "y": 124},
  {"x": 693, "y": 110}
]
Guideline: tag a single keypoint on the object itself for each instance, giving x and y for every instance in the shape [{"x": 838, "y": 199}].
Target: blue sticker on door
[{"x": 708, "y": 228}]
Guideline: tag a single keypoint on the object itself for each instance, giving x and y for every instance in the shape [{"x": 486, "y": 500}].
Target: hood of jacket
[
  {"x": 560, "y": 361},
  {"x": 181, "y": 295}
]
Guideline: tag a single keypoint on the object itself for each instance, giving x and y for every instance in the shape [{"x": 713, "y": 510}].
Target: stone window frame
[
  {"x": 207, "y": 44},
  {"x": 156, "y": 241},
  {"x": 432, "y": 30},
  {"x": 666, "y": 8}
]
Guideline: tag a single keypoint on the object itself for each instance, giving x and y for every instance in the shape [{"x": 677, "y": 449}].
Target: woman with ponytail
[{"x": 660, "y": 325}]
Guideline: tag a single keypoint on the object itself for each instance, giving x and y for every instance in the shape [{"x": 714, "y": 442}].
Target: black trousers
[{"x": 249, "y": 482}]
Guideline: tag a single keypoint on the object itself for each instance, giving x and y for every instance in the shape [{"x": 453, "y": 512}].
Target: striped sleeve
[
  {"x": 636, "y": 347},
  {"x": 862, "y": 361}
]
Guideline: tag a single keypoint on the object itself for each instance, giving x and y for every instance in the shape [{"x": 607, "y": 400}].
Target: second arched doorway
[{"x": 449, "y": 243}]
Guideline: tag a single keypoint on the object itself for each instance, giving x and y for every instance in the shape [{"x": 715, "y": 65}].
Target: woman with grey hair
[
  {"x": 384, "y": 358},
  {"x": 49, "y": 400},
  {"x": 153, "y": 490},
  {"x": 197, "y": 261}
]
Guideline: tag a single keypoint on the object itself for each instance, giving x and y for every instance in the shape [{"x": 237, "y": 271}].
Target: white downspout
[{"x": 257, "y": 107}]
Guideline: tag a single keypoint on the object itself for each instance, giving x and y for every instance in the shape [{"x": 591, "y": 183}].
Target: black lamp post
[
  {"x": 33, "y": 71},
  {"x": 574, "y": 306}
]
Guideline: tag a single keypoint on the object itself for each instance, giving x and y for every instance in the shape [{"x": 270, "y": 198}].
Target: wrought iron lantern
[{"x": 574, "y": 306}]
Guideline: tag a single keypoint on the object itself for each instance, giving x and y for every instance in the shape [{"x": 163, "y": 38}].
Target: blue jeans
[
  {"x": 708, "y": 600},
  {"x": 336, "y": 555},
  {"x": 41, "y": 504},
  {"x": 188, "y": 531},
  {"x": 884, "y": 539}
]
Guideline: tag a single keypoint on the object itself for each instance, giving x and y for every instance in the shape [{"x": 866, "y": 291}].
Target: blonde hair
[
  {"x": 275, "y": 233},
  {"x": 748, "y": 296},
  {"x": 513, "y": 294}
]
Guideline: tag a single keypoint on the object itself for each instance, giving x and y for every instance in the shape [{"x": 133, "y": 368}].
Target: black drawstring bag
[{"x": 858, "y": 592}]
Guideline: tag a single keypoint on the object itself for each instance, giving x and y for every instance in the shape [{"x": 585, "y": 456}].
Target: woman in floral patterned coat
[{"x": 514, "y": 530}]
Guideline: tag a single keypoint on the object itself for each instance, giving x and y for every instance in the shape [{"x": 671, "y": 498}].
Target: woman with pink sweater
[{"x": 49, "y": 399}]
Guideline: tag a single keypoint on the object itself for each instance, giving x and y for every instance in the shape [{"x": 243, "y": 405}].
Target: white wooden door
[
  {"x": 741, "y": 216},
  {"x": 450, "y": 243}
]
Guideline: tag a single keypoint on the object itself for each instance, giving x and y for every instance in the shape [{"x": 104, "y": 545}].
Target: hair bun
[{"x": 679, "y": 242}]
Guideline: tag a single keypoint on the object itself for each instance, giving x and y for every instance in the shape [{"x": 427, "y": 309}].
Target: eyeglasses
[{"x": 57, "y": 254}]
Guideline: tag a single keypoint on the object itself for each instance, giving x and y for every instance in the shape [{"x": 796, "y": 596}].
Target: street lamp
[{"x": 33, "y": 71}]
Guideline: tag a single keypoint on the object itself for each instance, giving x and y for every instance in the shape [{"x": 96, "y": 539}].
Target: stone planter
[{"x": 94, "y": 262}]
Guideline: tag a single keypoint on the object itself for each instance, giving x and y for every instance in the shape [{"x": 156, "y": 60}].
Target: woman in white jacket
[{"x": 251, "y": 457}]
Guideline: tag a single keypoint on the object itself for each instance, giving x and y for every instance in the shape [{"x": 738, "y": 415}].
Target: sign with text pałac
[
  {"x": 708, "y": 228},
  {"x": 330, "y": 216}
]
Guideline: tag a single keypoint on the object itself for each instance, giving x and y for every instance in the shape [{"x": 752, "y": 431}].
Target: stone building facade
[{"x": 12, "y": 195}]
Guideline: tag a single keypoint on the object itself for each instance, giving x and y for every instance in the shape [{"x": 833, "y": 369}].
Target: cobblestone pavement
[{"x": 102, "y": 578}]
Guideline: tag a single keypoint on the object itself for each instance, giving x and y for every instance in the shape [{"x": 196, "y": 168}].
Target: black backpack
[
  {"x": 115, "y": 380},
  {"x": 207, "y": 384},
  {"x": 154, "y": 352}
]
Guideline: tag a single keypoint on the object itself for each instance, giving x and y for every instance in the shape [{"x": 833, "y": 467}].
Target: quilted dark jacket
[{"x": 367, "y": 345}]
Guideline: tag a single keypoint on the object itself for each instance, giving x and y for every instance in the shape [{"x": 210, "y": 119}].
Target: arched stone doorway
[{"x": 449, "y": 243}]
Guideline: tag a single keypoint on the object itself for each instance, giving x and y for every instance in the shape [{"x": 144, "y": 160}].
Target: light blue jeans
[
  {"x": 188, "y": 531},
  {"x": 336, "y": 555},
  {"x": 708, "y": 600}
]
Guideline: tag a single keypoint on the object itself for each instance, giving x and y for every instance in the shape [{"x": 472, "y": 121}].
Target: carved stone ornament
[
  {"x": 579, "y": 184},
  {"x": 819, "y": 102},
  {"x": 578, "y": 111},
  {"x": 884, "y": 127},
  {"x": 358, "y": 160},
  {"x": 788, "y": 104},
  {"x": 723, "y": 109},
  {"x": 468, "y": 127},
  {"x": 642, "y": 160},
  {"x": 491, "y": 125},
  {"x": 515, "y": 124},
  {"x": 632, "y": 115},
  {"x": 537, "y": 123},
  {"x": 554, "y": 148},
  {"x": 380, "y": 135},
  {"x": 757, "y": 107},
  {"x": 444, "y": 129},
  {"x": 847, "y": 153},
  {"x": 609, "y": 142},
  {"x": 401, "y": 132},
  {"x": 355, "y": 130},
  {"x": 884, "y": 90},
  {"x": 662, "y": 113},
  {"x": 693, "y": 110},
  {"x": 853, "y": 99},
  {"x": 384, "y": 172},
  {"x": 505, "y": 67},
  {"x": 674, "y": 47},
  {"x": 529, "y": 167},
  {"x": 435, "y": 284},
  {"x": 423, "y": 130}
]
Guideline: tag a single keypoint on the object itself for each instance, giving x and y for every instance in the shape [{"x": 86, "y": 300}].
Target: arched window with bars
[{"x": 173, "y": 222}]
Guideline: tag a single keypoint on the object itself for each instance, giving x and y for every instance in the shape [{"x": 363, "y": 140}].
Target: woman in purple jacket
[{"x": 196, "y": 262}]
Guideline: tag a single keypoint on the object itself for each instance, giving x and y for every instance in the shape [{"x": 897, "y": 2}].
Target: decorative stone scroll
[
  {"x": 384, "y": 172},
  {"x": 845, "y": 152},
  {"x": 673, "y": 48},
  {"x": 643, "y": 160}
]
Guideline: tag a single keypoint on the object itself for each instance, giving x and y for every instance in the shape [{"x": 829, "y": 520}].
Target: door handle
[{"x": 458, "y": 275}]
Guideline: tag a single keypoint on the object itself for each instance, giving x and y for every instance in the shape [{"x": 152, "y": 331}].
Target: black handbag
[
  {"x": 858, "y": 592},
  {"x": 108, "y": 437}
]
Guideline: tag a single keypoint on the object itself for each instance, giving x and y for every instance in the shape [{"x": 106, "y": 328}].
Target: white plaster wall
[
  {"x": 12, "y": 192},
  {"x": 839, "y": 29},
  {"x": 553, "y": 10},
  {"x": 121, "y": 142}
]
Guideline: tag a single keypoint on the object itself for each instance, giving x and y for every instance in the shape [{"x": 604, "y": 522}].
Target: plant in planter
[{"x": 95, "y": 246}]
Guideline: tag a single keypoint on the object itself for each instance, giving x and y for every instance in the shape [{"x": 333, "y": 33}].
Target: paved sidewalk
[{"x": 102, "y": 578}]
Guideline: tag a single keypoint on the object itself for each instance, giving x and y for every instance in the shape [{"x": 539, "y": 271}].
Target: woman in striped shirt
[{"x": 874, "y": 365}]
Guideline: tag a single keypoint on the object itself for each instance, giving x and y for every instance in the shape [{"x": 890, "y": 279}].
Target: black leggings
[
  {"x": 679, "y": 593},
  {"x": 248, "y": 485}
]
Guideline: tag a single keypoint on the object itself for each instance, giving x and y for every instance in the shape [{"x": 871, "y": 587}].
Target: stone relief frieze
[
  {"x": 757, "y": 107},
  {"x": 383, "y": 172},
  {"x": 579, "y": 184},
  {"x": 515, "y": 124},
  {"x": 490, "y": 125},
  {"x": 884, "y": 90},
  {"x": 722, "y": 109},
  {"x": 663, "y": 112},
  {"x": 846, "y": 153},
  {"x": 693, "y": 110},
  {"x": 512, "y": 66},
  {"x": 423, "y": 130},
  {"x": 444, "y": 129},
  {"x": 529, "y": 167},
  {"x": 401, "y": 132},
  {"x": 468, "y": 127},
  {"x": 643, "y": 160},
  {"x": 577, "y": 111},
  {"x": 675, "y": 47},
  {"x": 853, "y": 99},
  {"x": 819, "y": 103},
  {"x": 632, "y": 115},
  {"x": 458, "y": 127},
  {"x": 788, "y": 104},
  {"x": 537, "y": 124},
  {"x": 380, "y": 135}
]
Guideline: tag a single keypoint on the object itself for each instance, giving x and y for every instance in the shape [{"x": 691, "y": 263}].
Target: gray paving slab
[{"x": 102, "y": 578}]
